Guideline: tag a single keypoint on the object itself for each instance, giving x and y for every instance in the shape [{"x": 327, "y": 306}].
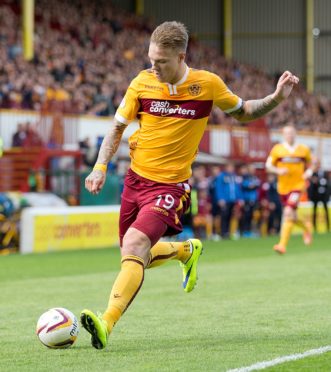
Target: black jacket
[{"x": 319, "y": 188}]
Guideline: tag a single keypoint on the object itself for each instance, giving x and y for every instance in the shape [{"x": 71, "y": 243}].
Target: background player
[
  {"x": 172, "y": 103},
  {"x": 290, "y": 162}
]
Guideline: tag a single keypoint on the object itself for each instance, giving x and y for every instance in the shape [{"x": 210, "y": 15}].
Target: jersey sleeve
[
  {"x": 273, "y": 156},
  {"x": 223, "y": 97},
  {"x": 129, "y": 107},
  {"x": 308, "y": 156}
]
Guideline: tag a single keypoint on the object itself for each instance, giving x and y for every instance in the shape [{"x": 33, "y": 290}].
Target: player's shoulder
[
  {"x": 304, "y": 147},
  {"x": 142, "y": 76},
  {"x": 278, "y": 147},
  {"x": 204, "y": 75}
]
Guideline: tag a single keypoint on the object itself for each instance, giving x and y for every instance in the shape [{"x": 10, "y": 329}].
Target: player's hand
[
  {"x": 285, "y": 85},
  {"x": 282, "y": 171},
  {"x": 221, "y": 203},
  {"x": 95, "y": 181},
  {"x": 241, "y": 203}
]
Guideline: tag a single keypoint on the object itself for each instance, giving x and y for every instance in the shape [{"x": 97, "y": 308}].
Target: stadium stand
[{"x": 86, "y": 56}]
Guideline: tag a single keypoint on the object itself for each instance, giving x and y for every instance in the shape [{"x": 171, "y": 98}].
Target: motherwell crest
[{"x": 194, "y": 89}]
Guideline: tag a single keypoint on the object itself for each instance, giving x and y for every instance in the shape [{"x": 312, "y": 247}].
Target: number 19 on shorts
[{"x": 165, "y": 201}]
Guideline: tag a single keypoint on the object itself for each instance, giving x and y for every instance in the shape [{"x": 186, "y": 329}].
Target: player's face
[
  {"x": 166, "y": 63},
  {"x": 289, "y": 135}
]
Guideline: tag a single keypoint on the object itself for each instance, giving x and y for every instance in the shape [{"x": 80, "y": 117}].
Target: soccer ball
[{"x": 57, "y": 328}]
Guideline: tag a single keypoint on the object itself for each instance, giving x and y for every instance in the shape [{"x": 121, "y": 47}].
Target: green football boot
[
  {"x": 96, "y": 326},
  {"x": 190, "y": 267}
]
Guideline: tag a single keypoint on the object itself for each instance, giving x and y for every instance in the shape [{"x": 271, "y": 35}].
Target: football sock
[
  {"x": 126, "y": 286},
  {"x": 302, "y": 225},
  {"x": 285, "y": 233},
  {"x": 162, "y": 252}
]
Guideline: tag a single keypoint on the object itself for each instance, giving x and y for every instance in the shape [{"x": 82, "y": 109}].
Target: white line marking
[{"x": 283, "y": 359}]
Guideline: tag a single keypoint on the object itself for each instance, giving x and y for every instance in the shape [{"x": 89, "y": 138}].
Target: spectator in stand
[
  {"x": 199, "y": 178},
  {"x": 89, "y": 153},
  {"x": 19, "y": 136},
  {"x": 203, "y": 218},
  {"x": 271, "y": 206},
  {"x": 32, "y": 137},
  {"x": 103, "y": 102},
  {"x": 228, "y": 194},
  {"x": 319, "y": 191},
  {"x": 91, "y": 44},
  {"x": 250, "y": 184},
  {"x": 215, "y": 211}
]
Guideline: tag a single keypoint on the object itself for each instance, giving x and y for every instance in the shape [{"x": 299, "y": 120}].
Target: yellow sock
[
  {"x": 302, "y": 225},
  {"x": 285, "y": 233},
  {"x": 126, "y": 286},
  {"x": 162, "y": 252}
]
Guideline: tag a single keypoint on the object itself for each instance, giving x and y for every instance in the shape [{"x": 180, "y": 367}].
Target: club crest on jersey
[{"x": 194, "y": 89}]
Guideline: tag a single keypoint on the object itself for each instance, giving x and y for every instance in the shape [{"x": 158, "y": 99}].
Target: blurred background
[{"x": 64, "y": 68}]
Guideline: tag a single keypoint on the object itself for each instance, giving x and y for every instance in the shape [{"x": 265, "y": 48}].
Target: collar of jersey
[
  {"x": 290, "y": 148},
  {"x": 173, "y": 87}
]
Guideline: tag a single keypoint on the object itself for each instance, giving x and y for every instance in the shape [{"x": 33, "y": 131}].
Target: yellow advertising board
[
  {"x": 305, "y": 212},
  {"x": 69, "y": 228}
]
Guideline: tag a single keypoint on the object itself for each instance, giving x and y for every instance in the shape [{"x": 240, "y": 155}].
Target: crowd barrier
[
  {"x": 68, "y": 228},
  {"x": 72, "y": 228}
]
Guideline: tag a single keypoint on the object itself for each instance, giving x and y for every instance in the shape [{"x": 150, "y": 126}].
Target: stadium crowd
[
  {"x": 86, "y": 53},
  {"x": 235, "y": 201},
  {"x": 230, "y": 202}
]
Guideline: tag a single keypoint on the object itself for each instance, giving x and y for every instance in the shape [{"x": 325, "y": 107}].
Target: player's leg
[
  {"x": 314, "y": 217},
  {"x": 307, "y": 233},
  {"x": 96, "y": 325},
  {"x": 162, "y": 252},
  {"x": 187, "y": 253},
  {"x": 326, "y": 212},
  {"x": 305, "y": 226},
  {"x": 135, "y": 254},
  {"x": 226, "y": 214},
  {"x": 293, "y": 201},
  {"x": 286, "y": 230}
]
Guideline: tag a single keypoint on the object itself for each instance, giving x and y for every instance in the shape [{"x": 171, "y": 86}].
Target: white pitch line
[{"x": 287, "y": 358}]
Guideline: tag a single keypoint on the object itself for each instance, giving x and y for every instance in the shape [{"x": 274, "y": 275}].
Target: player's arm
[
  {"x": 271, "y": 168},
  {"x": 126, "y": 112},
  {"x": 254, "y": 109},
  {"x": 309, "y": 167},
  {"x": 96, "y": 179}
]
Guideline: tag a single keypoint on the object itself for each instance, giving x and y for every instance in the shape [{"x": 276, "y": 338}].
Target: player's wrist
[
  {"x": 277, "y": 98},
  {"x": 100, "y": 167}
]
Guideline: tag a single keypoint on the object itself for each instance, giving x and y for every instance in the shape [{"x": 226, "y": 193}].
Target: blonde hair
[{"x": 172, "y": 35}]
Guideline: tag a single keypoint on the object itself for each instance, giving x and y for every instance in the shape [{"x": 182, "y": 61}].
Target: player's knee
[
  {"x": 288, "y": 213},
  {"x": 136, "y": 243}
]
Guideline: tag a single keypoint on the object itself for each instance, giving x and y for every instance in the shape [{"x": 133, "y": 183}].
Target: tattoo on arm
[
  {"x": 111, "y": 142},
  {"x": 254, "y": 109}
]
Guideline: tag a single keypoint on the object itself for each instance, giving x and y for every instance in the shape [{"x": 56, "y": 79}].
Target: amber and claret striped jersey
[
  {"x": 172, "y": 119},
  {"x": 295, "y": 159}
]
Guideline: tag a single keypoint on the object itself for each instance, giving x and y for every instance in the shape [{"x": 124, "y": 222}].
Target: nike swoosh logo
[{"x": 187, "y": 276}]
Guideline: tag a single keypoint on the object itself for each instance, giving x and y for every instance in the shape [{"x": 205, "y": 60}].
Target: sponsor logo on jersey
[
  {"x": 291, "y": 159},
  {"x": 154, "y": 87},
  {"x": 190, "y": 109},
  {"x": 194, "y": 89},
  {"x": 165, "y": 108}
]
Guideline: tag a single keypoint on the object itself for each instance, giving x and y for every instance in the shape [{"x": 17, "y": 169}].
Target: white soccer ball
[{"x": 57, "y": 328}]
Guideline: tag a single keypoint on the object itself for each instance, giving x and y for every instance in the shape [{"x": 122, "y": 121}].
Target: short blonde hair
[{"x": 172, "y": 35}]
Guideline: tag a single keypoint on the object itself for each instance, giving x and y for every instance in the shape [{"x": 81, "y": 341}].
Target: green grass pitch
[{"x": 249, "y": 305}]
